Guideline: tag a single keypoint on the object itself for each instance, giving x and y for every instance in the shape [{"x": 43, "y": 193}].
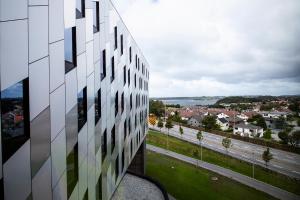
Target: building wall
[{"x": 52, "y": 143}]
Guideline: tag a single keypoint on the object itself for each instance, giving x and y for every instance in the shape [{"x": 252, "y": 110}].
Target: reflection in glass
[
  {"x": 96, "y": 21},
  {"x": 113, "y": 138},
  {"x": 72, "y": 170},
  {"x": 104, "y": 144},
  {"x": 70, "y": 49},
  {"x": 80, "y": 9},
  {"x": 99, "y": 189},
  {"x": 98, "y": 106},
  {"x": 14, "y": 118},
  {"x": 82, "y": 108}
]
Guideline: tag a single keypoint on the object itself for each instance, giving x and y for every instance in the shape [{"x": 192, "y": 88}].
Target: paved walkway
[{"x": 261, "y": 186}]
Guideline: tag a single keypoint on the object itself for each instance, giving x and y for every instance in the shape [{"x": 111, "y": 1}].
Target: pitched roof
[{"x": 223, "y": 120}]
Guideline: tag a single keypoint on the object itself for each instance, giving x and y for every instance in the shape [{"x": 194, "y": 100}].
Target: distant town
[{"x": 271, "y": 118}]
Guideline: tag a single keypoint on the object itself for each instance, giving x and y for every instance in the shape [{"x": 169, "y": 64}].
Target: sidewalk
[{"x": 261, "y": 186}]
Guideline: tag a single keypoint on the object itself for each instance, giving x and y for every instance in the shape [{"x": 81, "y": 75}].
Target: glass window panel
[
  {"x": 14, "y": 118},
  {"x": 82, "y": 108}
]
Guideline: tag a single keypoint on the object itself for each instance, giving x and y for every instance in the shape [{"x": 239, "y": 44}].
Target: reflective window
[
  {"x": 113, "y": 138},
  {"x": 104, "y": 145},
  {"x": 123, "y": 160},
  {"x": 82, "y": 108},
  {"x": 121, "y": 38},
  {"x": 124, "y": 75},
  {"x": 128, "y": 77},
  {"x": 112, "y": 78},
  {"x": 99, "y": 189},
  {"x": 130, "y": 55},
  {"x": 98, "y": 106},
  {"x": 122, "y": 102},
  {"x": 116, "y": 37},
  {"x": 70, "y": 49},
  {"x": 117, "y": 168},
  {"x": 14, "y": 118},
  {"x": 116, "y": 103},
  {"x": 96, "y": 21},
  {"x": 80, "y": 9},
  {"x": 103, "y": 72},
  {"x": 125, "y": 129},
  {"x": 72, "y": 170}
]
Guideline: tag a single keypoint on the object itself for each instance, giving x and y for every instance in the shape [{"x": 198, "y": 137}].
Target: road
[
  {"x": 246, "y": 180},
  {"x": 283, "y": 162}
]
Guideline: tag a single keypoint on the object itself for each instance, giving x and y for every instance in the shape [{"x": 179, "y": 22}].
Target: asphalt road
[
  {"x": 283, "y": 162},
  {"x": 261, "y": 186}
]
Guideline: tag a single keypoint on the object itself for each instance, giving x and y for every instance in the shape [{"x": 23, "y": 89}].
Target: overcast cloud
[{"x": 212, "y": 47}]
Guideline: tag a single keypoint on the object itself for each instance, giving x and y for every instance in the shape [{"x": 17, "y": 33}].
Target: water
[{"x": 189, "y": 101}]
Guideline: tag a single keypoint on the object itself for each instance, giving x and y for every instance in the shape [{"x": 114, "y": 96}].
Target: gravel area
[{"x": 135, "y": 188}]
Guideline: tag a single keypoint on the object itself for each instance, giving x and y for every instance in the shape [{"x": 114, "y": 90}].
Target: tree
[
  {"x": 196, "y": 155},
  {"x": 267, "y": 134},
  {"x": 294, "y": 138},
  {"x": 226, "y": 142},
  {"x": 181, "y": 130},
  {"x": 258, "y": 120},
  {"x": 280, "y": 123},
  {"x": 160, "y": 124},
  {"x": 294, "y": 106},
  {"x": 168, "y": 125},
  {"x": 157, "y": 108},
  {"x": 283, "y": 135},
  {"x": 209, "y": 123},
  {"x": 267, "y": 156},
  {"x": 200, "y": 138}
]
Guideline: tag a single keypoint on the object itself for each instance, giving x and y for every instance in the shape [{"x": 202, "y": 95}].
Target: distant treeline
[{"x": 243, "y": 99}]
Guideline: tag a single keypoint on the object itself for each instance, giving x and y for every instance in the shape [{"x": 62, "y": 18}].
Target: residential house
[
  {"x": 248, "y": 130},
  {"x": 223, "y": 123}
]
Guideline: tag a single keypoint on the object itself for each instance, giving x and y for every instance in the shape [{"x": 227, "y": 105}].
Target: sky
[{"x": 217, "y": 48}]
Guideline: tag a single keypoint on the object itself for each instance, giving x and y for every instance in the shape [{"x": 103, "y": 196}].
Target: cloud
[{"x": 210, "y": 47}]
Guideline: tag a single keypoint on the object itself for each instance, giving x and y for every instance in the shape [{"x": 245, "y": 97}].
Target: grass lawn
[
  {"x": 185, "y": 181},
  {"x": 262, "y": 174}
]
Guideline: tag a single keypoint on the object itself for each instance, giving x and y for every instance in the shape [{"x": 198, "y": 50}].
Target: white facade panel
[
  {"x": 69, "y": 13},
  {"x": 56, "y": 20},
  {"x": 58, "y": 156},
  {"x": 71, "y": 90},
  {"x": 18, "y": 188},
  {"x": 13, "y": 52},
  {"x": 57, "y": 64},
  {"x": 38, "y": 32},
  {"x": 39, "y": 84},
  {"x": 57, "y": 110},
  {"x": 13, "y": 9},
  {"x": 81, "y": 71}
]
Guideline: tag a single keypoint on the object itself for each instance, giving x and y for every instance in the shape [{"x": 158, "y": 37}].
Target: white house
[
  {"x": 274, "y": 114},
  {"x": 223, "y": 123},
  {"x": 248, "y": 130},
  {"x": 222, "y": 115}
]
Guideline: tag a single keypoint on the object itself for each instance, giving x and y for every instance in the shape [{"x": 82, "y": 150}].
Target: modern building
[{"x": 74, "y": 99}]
